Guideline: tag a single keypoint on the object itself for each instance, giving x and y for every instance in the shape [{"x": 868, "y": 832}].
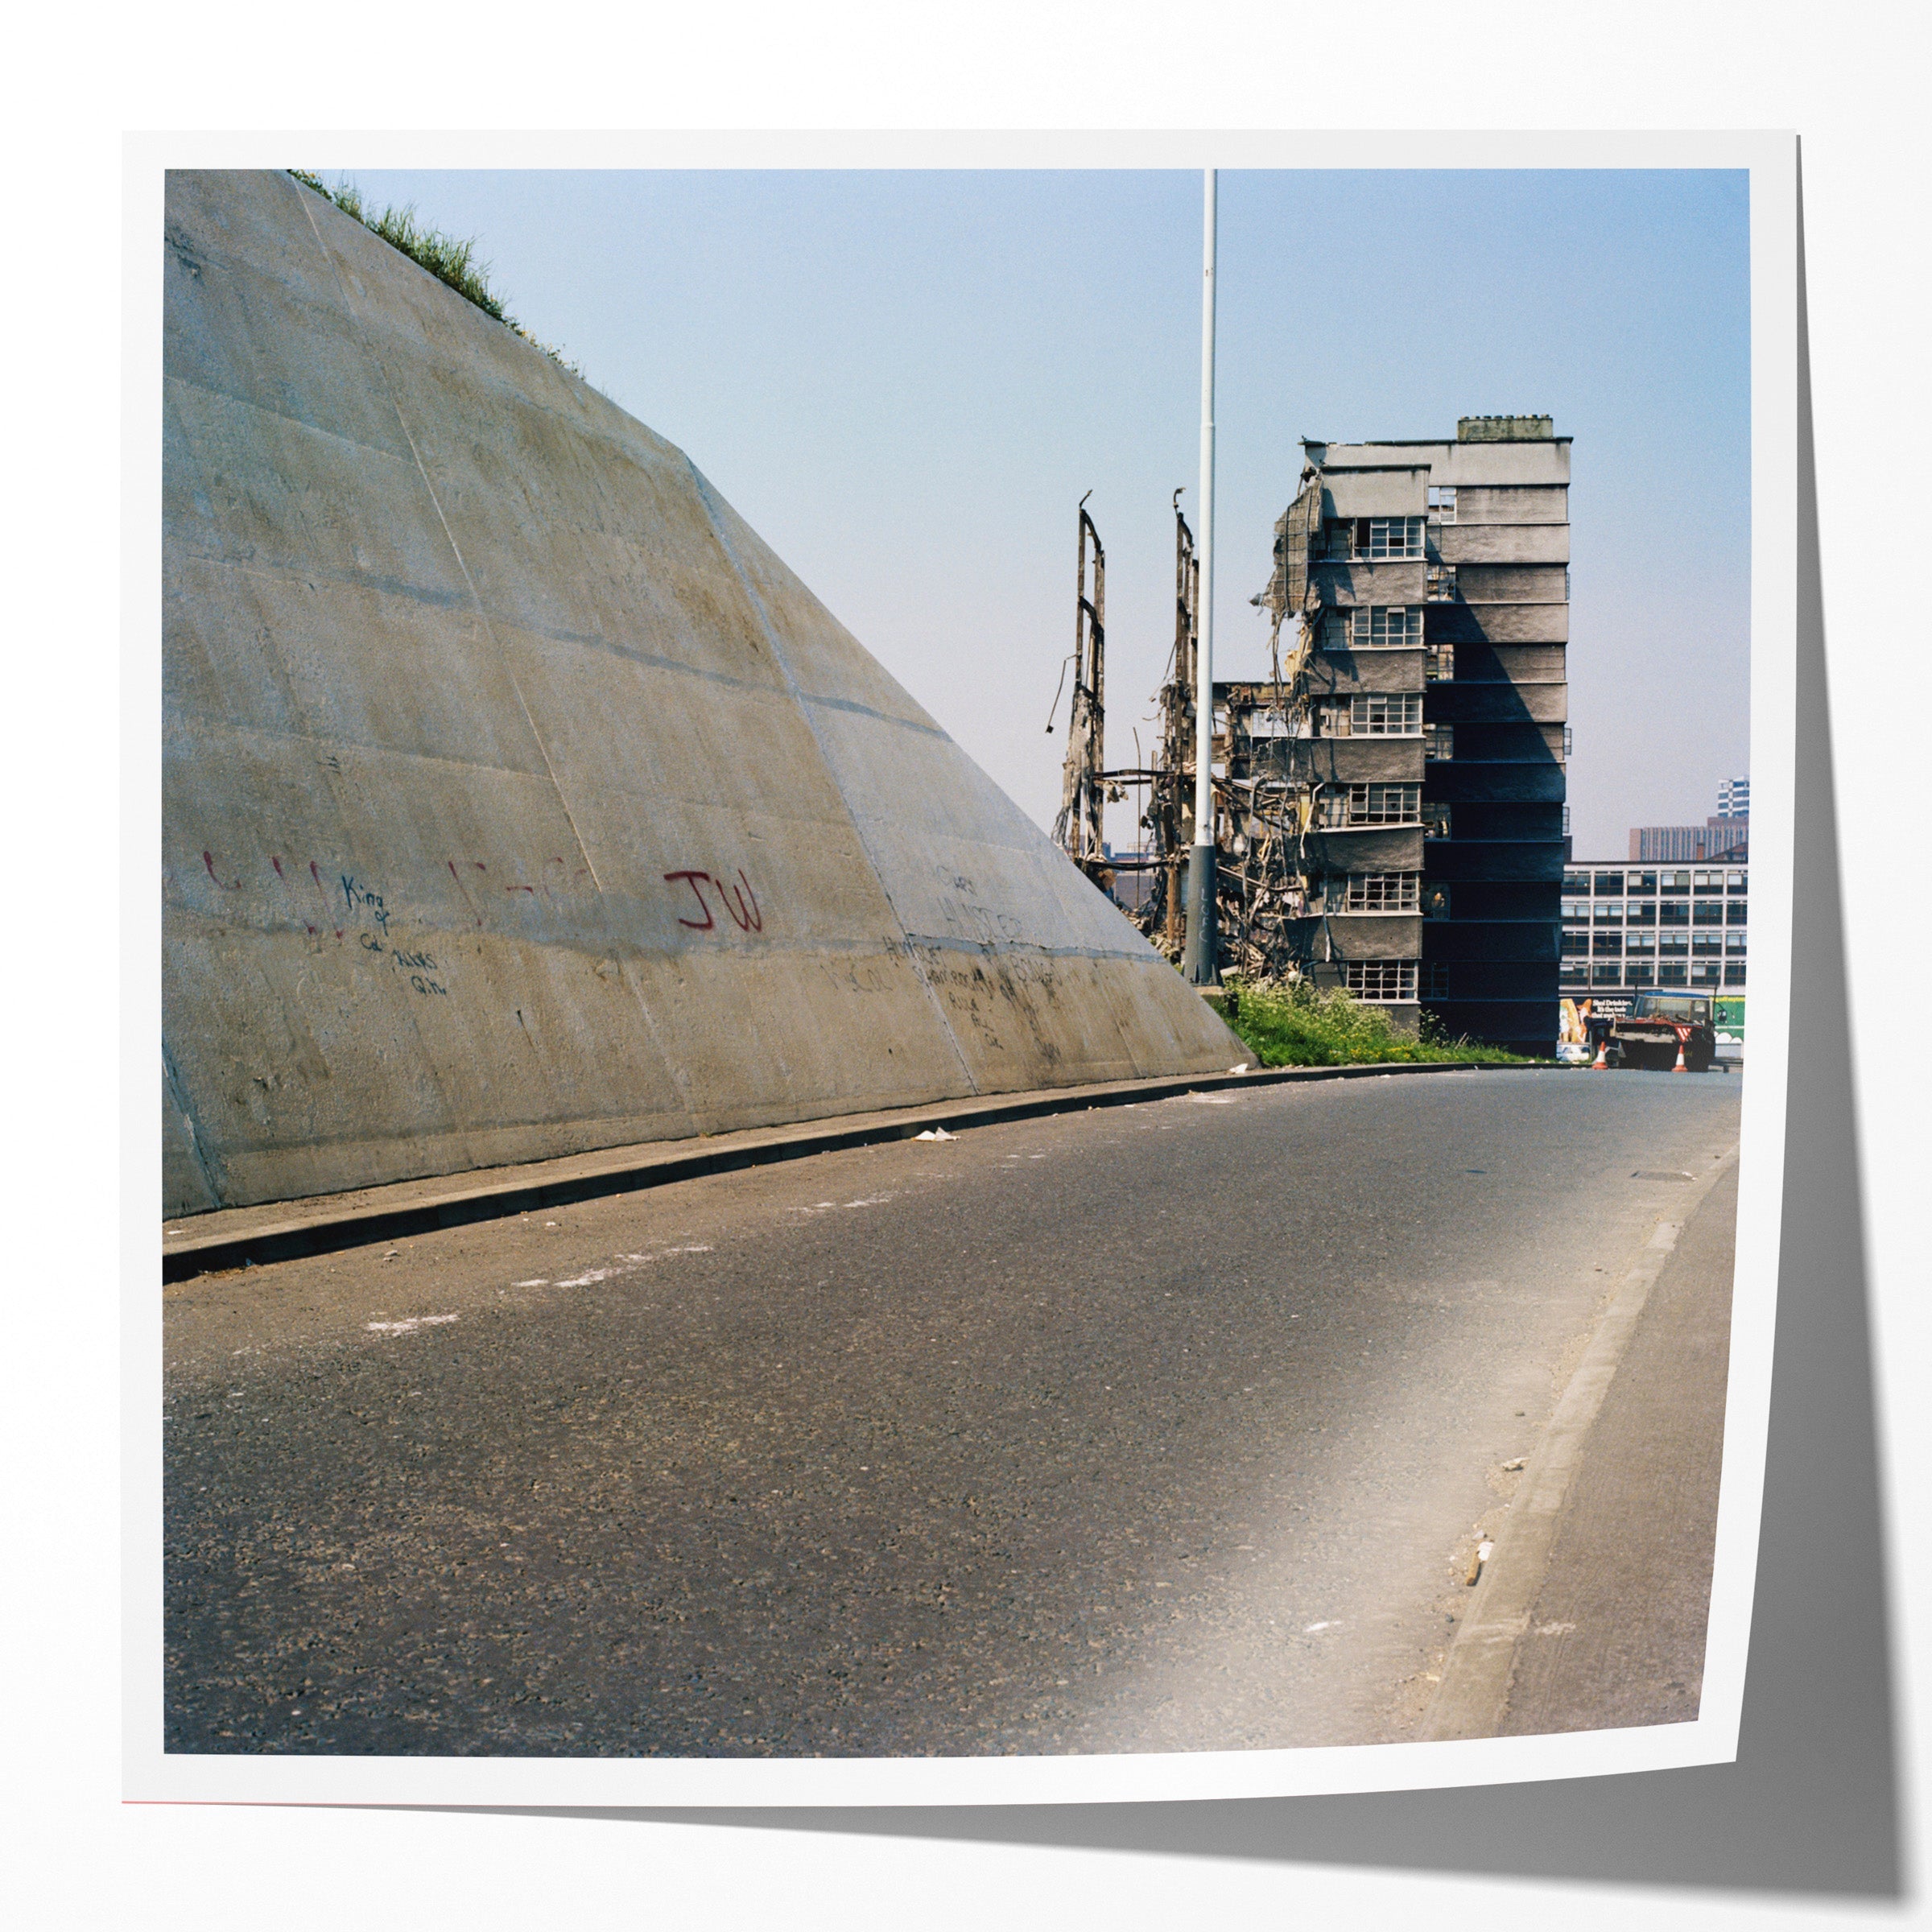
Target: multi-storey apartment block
[
  {"x": 1628, "y": 928},
  {"x": 1419, "y": 721}
]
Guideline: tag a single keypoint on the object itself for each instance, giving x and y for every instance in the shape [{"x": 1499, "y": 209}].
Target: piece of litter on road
[
  {"x": 935, "y": 1133},
  {"x": 1483, "y": 1550},
  {"x": 539, "y": 1283},
  {"x": 1517, "y": 1462},
  {"x": 1326, "y": 1623},
  {"x": 1242, "y": 1068}
]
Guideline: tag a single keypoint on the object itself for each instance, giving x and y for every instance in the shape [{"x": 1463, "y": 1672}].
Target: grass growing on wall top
[
  {"x": 453, "y": 262},
  {"x": 1297, "y": 1025}
]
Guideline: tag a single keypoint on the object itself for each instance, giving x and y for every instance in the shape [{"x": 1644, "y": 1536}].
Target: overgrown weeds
[
  {"x": 452, "y": 262},
  {"x": 1293, "y": 1024}
]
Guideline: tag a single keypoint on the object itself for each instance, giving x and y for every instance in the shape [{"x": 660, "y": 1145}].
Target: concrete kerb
[
  {"x": 239, "y": 1237},
  {"x": 1471, "y": 1699}
]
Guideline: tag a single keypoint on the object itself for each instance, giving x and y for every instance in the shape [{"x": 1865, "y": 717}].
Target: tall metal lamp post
[{"x": 1199, "y": 960}]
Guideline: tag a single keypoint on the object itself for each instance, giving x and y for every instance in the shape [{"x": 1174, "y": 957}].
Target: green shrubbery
[
  {"x": 453, "y": 262},
  {"x": 1293, "y": 1025}
]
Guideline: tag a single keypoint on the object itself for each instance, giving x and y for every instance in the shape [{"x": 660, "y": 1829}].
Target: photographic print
[{"x": 963, "y": 990}]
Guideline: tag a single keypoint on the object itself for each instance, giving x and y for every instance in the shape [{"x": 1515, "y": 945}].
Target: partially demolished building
[{"x": 1389, "y": 801}]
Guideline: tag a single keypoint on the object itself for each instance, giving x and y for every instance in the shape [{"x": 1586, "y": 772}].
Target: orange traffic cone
[
  {"x": 1601, "y": 1063},
  {"x": 1680, "y": 1068}
]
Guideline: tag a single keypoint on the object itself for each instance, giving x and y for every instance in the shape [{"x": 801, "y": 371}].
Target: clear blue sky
[{"x": 905, "y": 380}]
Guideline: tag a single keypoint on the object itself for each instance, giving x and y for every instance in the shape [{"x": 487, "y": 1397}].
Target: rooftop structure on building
[
  {"x": 1734, "y": 799},
  {"x": 1717, "y": 838}
]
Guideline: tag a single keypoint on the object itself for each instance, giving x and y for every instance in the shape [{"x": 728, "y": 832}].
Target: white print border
[{"x": 151, "y": 1775}]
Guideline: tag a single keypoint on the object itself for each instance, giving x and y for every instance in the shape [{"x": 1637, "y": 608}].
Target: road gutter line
[
  {"x": 1481, "y": 1663},
  {"x": 229, "y": 1238}
]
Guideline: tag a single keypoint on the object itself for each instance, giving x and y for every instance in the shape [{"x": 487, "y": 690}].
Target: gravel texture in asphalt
[{"x": 1159, "y": 1428}]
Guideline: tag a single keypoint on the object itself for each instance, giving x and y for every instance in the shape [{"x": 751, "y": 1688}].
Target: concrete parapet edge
[{"x": 254, "y": 1237}]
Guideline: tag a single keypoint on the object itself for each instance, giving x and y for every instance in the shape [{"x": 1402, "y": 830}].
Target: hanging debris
[{"x": 1078, "y": 830}]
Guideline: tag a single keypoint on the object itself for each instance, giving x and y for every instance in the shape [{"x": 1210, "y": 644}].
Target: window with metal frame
[
  {"x": 1372, "y": 805},
  {"x": 1378, "y": 714},
  {"x": 1643, "y": 942},
  {"x": 1385, "y": 627},
  {"x": 1438, "y": 820},
  {"x": 1435, "y": 902},
  {"x": 1435, "y": 979},
  {"x": 1439, "y": 663},
  {"x": 1442, "y": 502},
  {"x": 1382, "y": 892},
  {"x": 1438, "y": 743},
  {"x": 1340, "y": 544},
  {"x": 1391, "y": 538},
  {"x": 1382, "y": 981}
]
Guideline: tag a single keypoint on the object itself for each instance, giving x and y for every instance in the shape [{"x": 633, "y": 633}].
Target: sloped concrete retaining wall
[{"x": 519, "y": 801}]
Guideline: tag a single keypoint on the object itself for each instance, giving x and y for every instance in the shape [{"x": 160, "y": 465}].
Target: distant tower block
[{"x": 517, "y": 799}]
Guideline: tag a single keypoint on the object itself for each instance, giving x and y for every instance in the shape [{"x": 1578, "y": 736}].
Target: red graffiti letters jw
[{"x": 740, "y": 903}]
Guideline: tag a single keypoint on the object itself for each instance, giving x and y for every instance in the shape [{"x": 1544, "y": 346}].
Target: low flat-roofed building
[{"x": 1630, "y": 929}]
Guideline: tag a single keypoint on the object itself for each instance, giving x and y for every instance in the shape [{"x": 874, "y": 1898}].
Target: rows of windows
[
  {"x": 1382, "y": 979},
  {"x": 1731, "y": 880},
  {"x": 1376, "y": 627},
  {"x": 1656, "y": 912},
  {"x": 1647, "y": 945},
  {"x": 1372, "y": 805},
  {"x": 1376, "y": 714},
  {"x": 1375, "y": 539},
  {"x": 1584, "y": 974},
  {"x": 1383, "y": 892}
]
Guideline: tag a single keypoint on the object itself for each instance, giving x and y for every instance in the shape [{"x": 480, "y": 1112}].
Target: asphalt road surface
[{"x": 1157, "y": 1428}]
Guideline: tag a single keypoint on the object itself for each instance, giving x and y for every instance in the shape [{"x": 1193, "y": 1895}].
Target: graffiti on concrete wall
[
  {"x": 342, "y": 902},
  {"x": 739, "y": 901}
]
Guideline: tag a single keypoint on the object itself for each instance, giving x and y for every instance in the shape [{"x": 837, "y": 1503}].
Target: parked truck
[{"x": 1660, "y": 1029}]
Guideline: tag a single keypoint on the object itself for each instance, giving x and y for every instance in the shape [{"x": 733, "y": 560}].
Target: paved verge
[{"x": 1616, "y": 1635}]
